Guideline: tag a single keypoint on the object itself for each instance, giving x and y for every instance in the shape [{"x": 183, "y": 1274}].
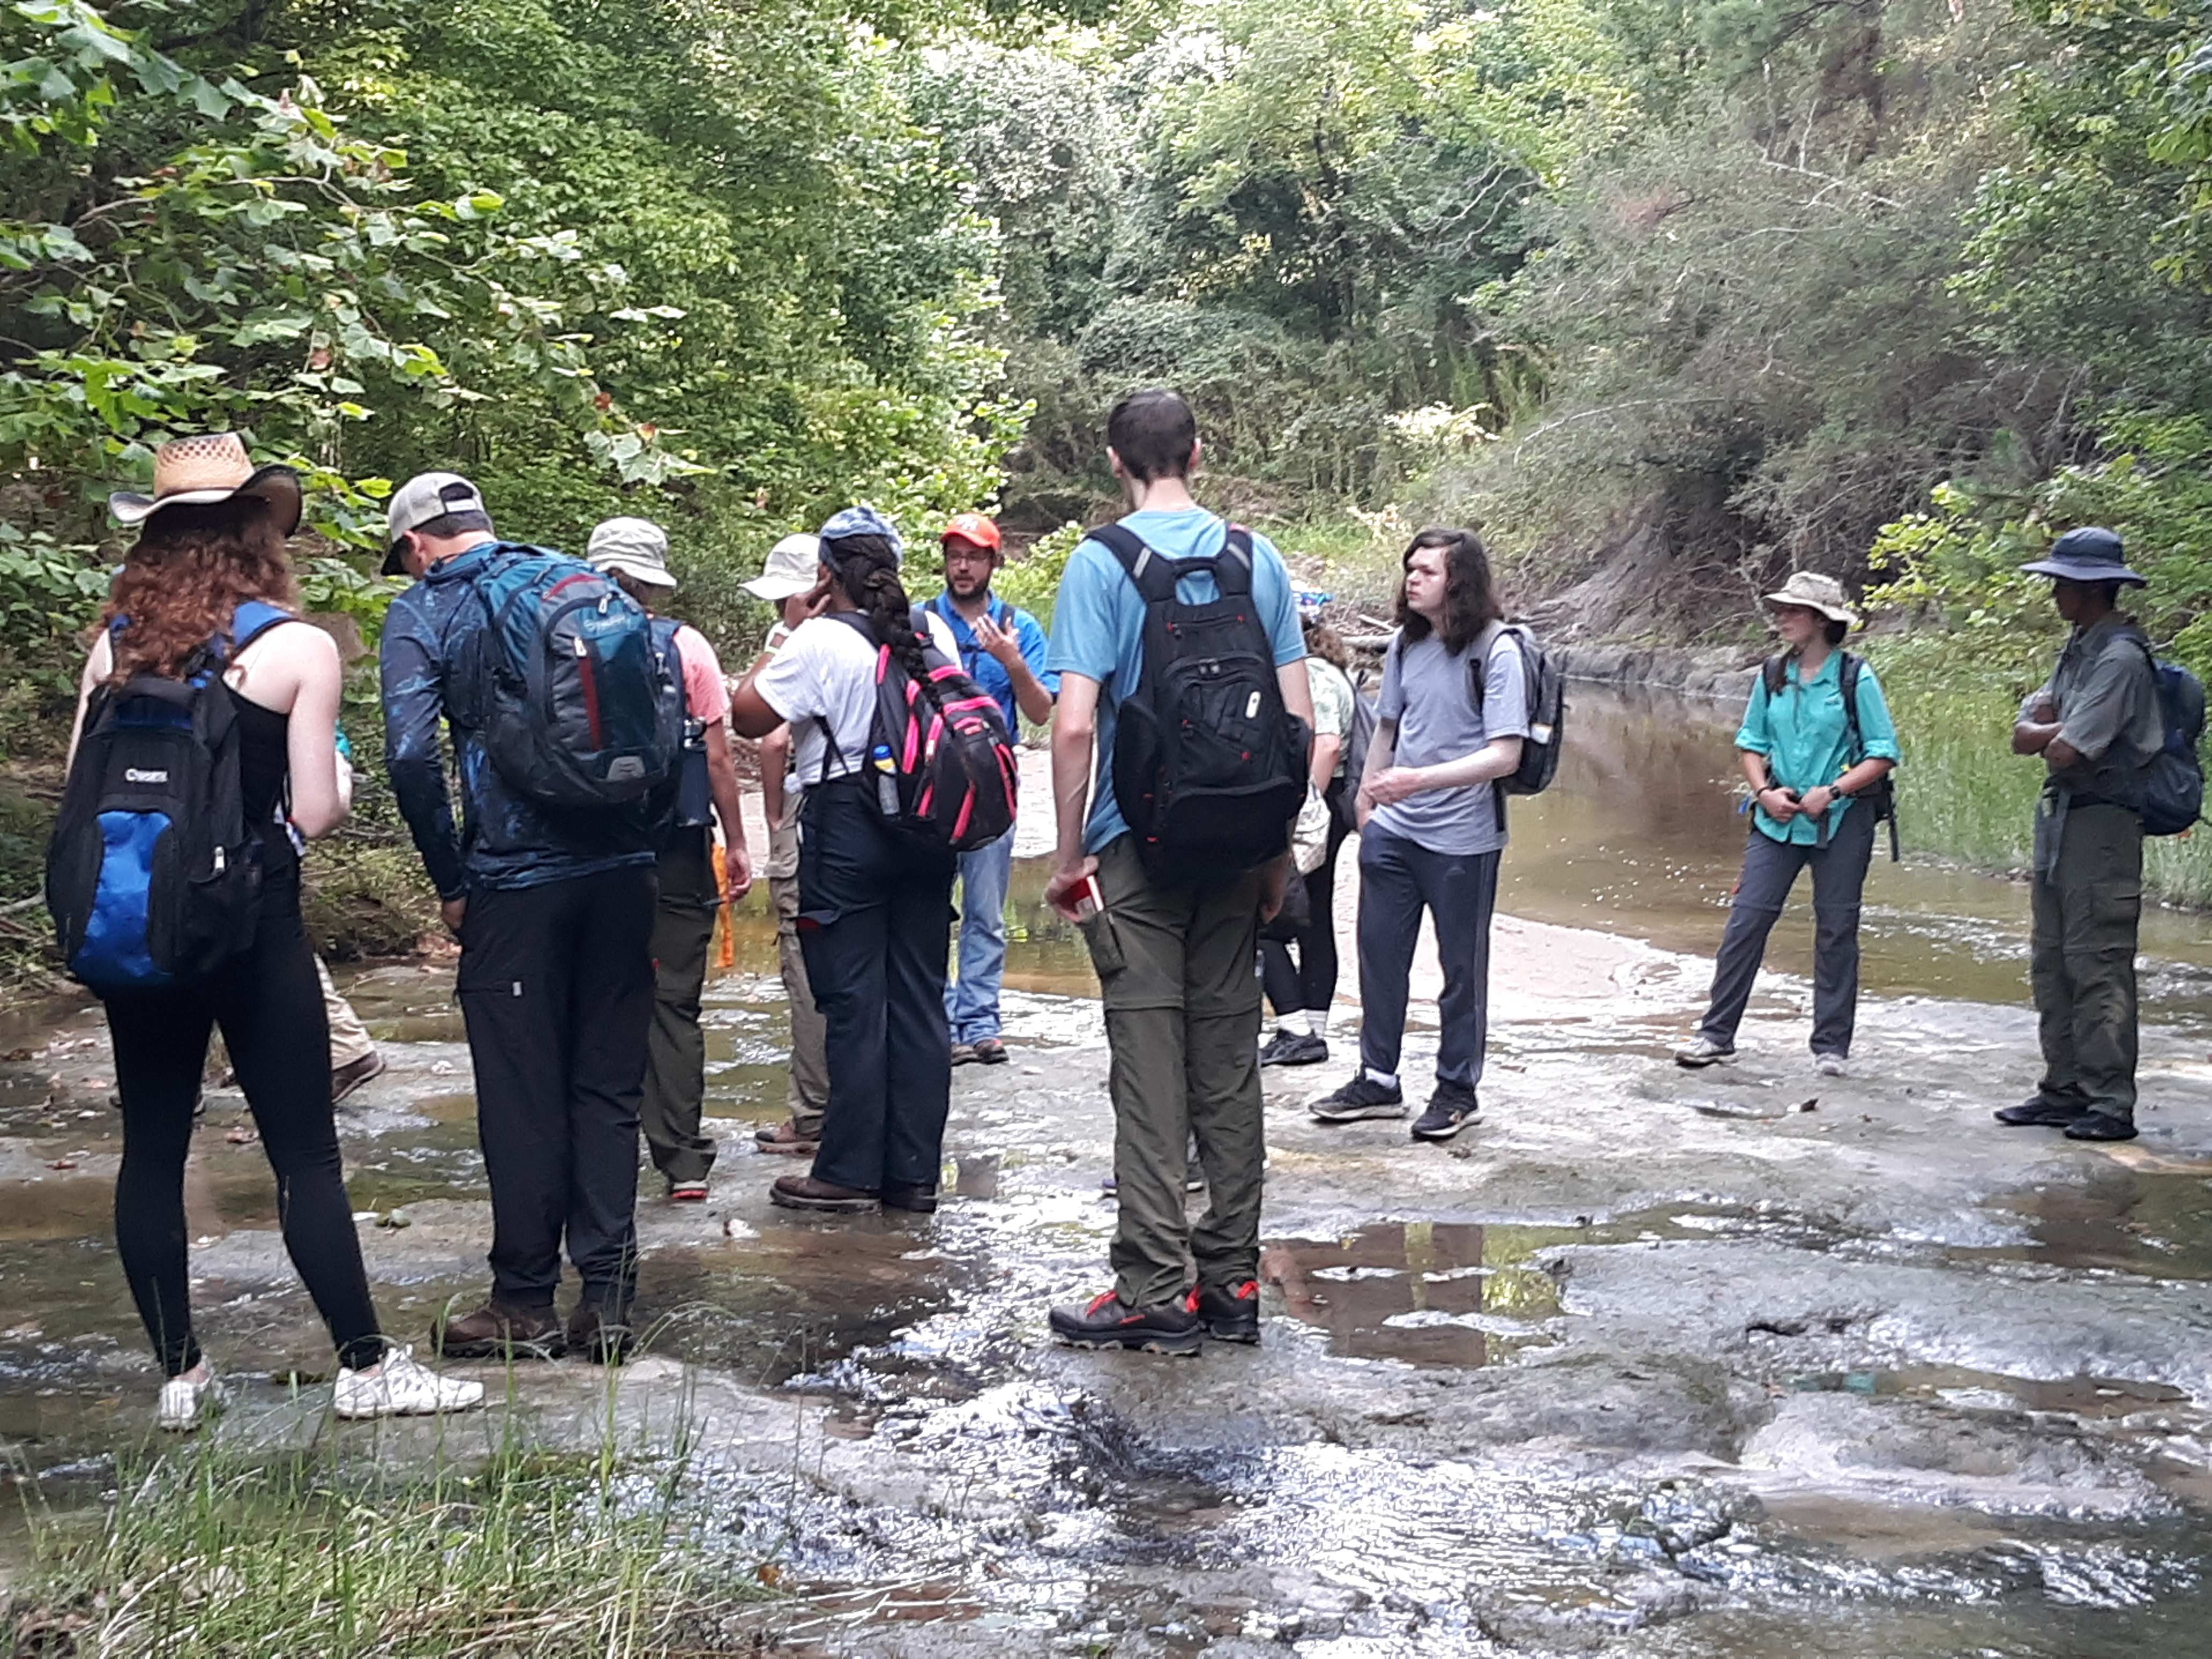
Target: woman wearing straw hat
[
  {"x": 211, "y": 545},
  {"x": 1796, "y": 748}
]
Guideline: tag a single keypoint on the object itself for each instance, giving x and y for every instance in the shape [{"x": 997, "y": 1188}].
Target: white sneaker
[
  {"x": 1701, "y": 1050},
  {"x": 184, "y": 1402},
  {"x": 1831, "y": 1065},
  {"x": 402, "y": 1387}
]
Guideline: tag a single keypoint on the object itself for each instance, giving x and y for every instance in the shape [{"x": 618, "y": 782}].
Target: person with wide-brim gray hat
[
  {"x": 2097, "y": 724},
  {"x": 1817, "y": 734}
]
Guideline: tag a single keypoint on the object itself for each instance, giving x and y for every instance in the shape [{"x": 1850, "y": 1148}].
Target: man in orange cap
[{"x": 1003, "y": 648}]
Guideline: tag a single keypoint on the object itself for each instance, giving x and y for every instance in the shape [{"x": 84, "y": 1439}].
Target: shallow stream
[{"x": 1729, "y": 1365}]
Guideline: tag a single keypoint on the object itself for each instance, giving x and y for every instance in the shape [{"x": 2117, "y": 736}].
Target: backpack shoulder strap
[
  {"x": 1847, "y": 682},
  {"x": 1478, "y": 666},
  {"x": 1775, "y": 673},
  {"x": 1232, "y": 565},
  {"x": 1153, "y": 574},
  {"x": 254, "y": 618}
]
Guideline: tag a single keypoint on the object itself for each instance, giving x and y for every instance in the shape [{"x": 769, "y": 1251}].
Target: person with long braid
[{"x": 875, "y": 910}]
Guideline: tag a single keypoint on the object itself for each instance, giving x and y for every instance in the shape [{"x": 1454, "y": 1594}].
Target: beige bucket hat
[
  {"x": 1811, "y": 591},
  {"x": 211, "y": 468},
  {"x": 636, "y": 548}
]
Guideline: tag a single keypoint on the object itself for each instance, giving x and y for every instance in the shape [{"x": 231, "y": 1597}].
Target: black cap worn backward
[{"x": 2087, "y": 555}]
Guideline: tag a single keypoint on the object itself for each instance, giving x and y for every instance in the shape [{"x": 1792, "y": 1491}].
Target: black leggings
[
  {"x": 1311, "y": 984},
  {"x": 269, "y": 1003}
]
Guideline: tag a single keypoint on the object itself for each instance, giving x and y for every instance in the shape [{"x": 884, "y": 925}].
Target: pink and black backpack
[{"x": 940, "y": 753}]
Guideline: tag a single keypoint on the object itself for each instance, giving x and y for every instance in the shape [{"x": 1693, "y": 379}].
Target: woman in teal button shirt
[{"x": 1798, "y": 754}]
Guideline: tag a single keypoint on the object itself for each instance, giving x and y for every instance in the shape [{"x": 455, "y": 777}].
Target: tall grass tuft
[{"x": 221, "y": 1551}]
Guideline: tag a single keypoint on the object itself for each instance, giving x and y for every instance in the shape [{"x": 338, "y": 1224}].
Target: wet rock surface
[
  {"x": 1610, "y": 1374},
  {"x": 1737, "y": 1362}
]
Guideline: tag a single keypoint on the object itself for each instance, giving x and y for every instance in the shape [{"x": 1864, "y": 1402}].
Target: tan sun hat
[
  {"x": 793, "y": 565},
  {"x": 213, "y": 468},
  {"x": 636, "y": 548},
  {"x": 1810, "y": 591}
]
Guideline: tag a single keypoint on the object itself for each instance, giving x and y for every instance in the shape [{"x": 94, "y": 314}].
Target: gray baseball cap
[
  {"x": 425, "y": 496},
  {"x": 793, "y": 565},
  {"x": 637, "y": 548}
]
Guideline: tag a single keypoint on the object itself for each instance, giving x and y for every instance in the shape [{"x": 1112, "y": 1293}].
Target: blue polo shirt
[
  {"x": 1099, "y": 627},
  {"x": 985, "y": 670},
  {"x": 1806, "y": 739}
]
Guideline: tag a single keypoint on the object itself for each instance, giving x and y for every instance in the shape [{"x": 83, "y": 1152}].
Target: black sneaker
[
  {"x": 1361, "y": 1098},
  {"x": 1168, "y": 1328},
  {"x": 2100, "y": 1125},
  {"x": 1294, "y": 1048},
  {"x": 2037, "y": 1114},
  {"x": 1451, "y": 1109},
  {"x": 1231, "y": 1313}
]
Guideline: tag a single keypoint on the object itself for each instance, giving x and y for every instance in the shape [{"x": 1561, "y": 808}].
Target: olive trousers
[
  {"x": 2087, "y": 910},
  {"x": 1177, "y": 968}
]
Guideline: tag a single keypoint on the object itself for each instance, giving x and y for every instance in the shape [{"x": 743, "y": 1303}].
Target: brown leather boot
[
  {"x": 500, "y": 1330},
  {"x": 600, "y": 1329},
  {"x": 806, "y": 1192}
]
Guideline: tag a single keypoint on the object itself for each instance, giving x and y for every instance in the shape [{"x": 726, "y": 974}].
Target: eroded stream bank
[{"x": 1651, "y": 1363}]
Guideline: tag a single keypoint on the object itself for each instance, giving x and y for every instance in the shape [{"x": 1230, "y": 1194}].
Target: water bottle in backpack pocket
[
  {"x": 585, "y": 707},
  {"x": 153, "y": 874}
]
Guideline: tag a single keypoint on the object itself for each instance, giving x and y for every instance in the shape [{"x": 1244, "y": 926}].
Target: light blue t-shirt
[{"x": 1099, "y": 627}]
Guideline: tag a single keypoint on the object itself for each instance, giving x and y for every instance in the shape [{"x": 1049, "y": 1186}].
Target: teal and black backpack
[
  {"x": 153, "y": 875},
  {"x": 585, "y": 704}
]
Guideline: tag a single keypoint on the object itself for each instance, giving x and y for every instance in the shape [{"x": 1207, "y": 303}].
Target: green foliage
[{"x": 1032, "y": 581}]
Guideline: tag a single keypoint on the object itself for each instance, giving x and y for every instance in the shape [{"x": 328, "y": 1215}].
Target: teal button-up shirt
[{"x": 1807, "y": 740}]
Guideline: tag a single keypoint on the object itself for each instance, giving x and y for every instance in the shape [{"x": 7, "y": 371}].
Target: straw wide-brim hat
[
  {"x": 1811, "y": 591},
  {"x": 203, "y": 469}
]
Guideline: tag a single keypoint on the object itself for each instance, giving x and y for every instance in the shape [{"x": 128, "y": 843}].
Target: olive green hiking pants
[
  {"x": 1177, "y": 968},
  {"x": 2087, "y": 912}
]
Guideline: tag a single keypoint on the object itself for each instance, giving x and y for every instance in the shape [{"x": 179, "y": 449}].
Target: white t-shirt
[{"x": 826, "y": 671}]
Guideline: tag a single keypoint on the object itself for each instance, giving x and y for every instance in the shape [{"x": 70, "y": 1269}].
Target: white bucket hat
[
  {"x": 1809, "y": 590},
  {"x": 636, "y": 548}
]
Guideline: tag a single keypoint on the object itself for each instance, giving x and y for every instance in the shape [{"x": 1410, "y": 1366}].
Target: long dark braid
[{"x": 868, "y": 570}]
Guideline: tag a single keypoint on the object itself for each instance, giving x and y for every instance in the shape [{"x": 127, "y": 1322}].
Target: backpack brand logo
[{"x": 135, "y": 775}]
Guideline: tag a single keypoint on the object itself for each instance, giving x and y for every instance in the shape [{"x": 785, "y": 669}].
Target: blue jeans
[{"x": 971, "y": 1002}]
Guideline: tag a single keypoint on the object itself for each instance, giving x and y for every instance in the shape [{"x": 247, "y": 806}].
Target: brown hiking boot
[
  {"x": 601, "y": 1331},
  {"x": 500, "y": 1330},
  {"x": 787, "y": 1137},
  {"x": 345, "y": 1079}
]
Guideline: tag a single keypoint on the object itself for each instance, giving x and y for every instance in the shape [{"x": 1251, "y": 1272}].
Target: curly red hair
[{"x": 192, "y": 567}]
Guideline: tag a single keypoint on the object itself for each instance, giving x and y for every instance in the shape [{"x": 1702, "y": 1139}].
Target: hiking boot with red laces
[
  {"x": 1231, "y": 1313},
  {"x": 1168, "y": 1327}
]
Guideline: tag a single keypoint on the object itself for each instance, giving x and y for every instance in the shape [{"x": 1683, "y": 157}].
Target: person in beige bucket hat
[
  {"x": 1809, "y": 590},
  {"x": 199, "y": 472},
  {"x": 1817, "y": 734}
]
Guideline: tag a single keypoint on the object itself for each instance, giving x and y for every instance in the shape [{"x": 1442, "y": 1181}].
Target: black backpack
[
  {"x": 153, "y": 875},
  {"x": 1879, "y": 799},
  {"x": 1209, "y": 766}
]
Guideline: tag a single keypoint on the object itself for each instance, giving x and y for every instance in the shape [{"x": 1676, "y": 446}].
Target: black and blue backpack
[
  {"x": 585, "y": 706},
  {"x": 153, "y": 875},
  {"x": 692, "y": 798}
]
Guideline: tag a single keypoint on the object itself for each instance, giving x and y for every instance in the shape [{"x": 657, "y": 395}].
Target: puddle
[
  {"x": 2131, "y": 1222},
  {"x": 1425, "y": 1292}
]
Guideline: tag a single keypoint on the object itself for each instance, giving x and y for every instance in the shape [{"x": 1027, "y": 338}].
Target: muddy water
[{"x": 1615, "y": 1374}]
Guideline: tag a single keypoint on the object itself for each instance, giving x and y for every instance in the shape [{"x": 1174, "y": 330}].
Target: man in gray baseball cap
[
  {"x": 435, "y": 507},
  {"x": 553, "y": 908},
  {"x": 2097, "y": 724}
]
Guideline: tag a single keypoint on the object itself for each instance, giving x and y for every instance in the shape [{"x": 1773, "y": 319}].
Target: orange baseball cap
[{"x": 974, "y": 529}]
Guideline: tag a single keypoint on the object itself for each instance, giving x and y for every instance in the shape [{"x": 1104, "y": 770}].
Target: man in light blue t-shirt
[
  {"x": 1430, "y": 831},
  {"x": 1174, "y": 962}
]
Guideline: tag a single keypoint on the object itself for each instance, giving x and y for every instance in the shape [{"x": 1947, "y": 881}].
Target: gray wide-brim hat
[
  {"x": 2087, "y": 555},
  {"x": 1809, "y": 590}
]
